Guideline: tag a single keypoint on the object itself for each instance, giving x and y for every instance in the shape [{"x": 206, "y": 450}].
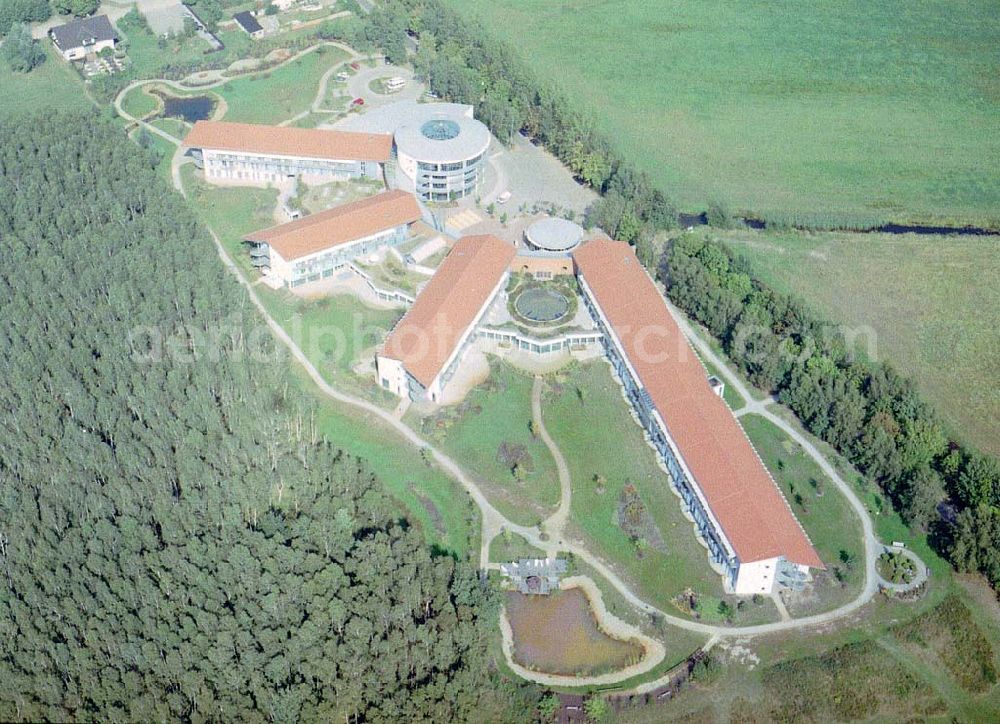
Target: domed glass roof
[{"x": 440, "y": 129}]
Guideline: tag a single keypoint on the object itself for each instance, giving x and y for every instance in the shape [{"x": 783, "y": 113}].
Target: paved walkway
[
  {"x": 358, "y": 85},
  {"x": 401, "y": 408},
  {"x": 780, "y": 605}
]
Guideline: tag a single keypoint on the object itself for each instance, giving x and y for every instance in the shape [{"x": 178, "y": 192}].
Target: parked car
[
  {"x": 356, "y": 66},
  {"x": 358, "y": 102},
  {"x": 503, "y": 198}
]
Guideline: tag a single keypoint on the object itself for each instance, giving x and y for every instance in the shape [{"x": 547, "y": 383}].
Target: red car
[
  {"x": 358, "y": 102},
  {"x": 356, "y": 66}
]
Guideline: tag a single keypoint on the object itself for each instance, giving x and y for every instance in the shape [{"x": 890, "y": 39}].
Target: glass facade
[
  {"x": 248, "y": 167},
  {"x": 448, "y": 181},
  {"x": 322, "y": 265}
]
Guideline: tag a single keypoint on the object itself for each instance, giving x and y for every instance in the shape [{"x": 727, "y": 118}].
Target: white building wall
[
  {"x": 279, "y": 267},
  {"x": 439, "y": 184},
  {"x": 260, "y": 169},
  {"x": 80, "y": 53},
  {"x": 392, "y": 375},
  {"x": 408, "y": 166},
  {"x": 401, "y": 383},
  {"x": 338, "y": 256},
  {"x": 756, "y": 577}
]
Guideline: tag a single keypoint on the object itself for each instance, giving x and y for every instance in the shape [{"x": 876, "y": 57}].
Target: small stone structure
[{"x": 535, "y": 575}]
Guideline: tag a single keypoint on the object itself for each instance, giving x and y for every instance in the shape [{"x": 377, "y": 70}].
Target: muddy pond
[{"x": 558, "y": 634}]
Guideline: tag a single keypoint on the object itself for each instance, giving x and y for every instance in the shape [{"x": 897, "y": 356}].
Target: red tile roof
[
  {"x": 340, "y": 225},
  {"x": 288, "y": 141},
  {"x": 430, "y": 331},
  {"x": 753, "y": 514}
]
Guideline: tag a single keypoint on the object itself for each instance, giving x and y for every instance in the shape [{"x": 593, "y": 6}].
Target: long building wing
[
  {"x": 340, "y": 225},
  {"x": 288, "y": 141},
  {"x": 754, "y": 515},
  {"x": 432, "y": 329}
]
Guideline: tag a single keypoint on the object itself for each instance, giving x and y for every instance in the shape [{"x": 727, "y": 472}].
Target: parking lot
[{"x": 532, "y": 175}]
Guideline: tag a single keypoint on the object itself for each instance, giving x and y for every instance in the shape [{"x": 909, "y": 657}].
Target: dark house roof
[
  {"x": 248, "y": 22},
  {"x": 83, "y": 32}
]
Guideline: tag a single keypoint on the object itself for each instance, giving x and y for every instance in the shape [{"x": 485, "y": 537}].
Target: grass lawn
[
  {"x": 313, "y": 120},
  {"x": 237, "y": 42},
  {"x": 598, "y": 437},
  {"x": 335, "y": 333},
  {"x": 494, "y": 413},
  {"x": 391, "y": 274},
  {"x": 445, "y": 511},
  {"x": 932, "y": 303},
  {"x": 845, "y": 106},
  {"x": 148, "y": 54},
  {"x": 510, "y": 546},
  {"x": 52, "y": 86},
  {"x": 823, "y": 511},
  {"x": 174, "y": 126},
  {"x": 906, "y": 661},
  {"x": 231, "y": 212},
  {"x": 138, "y": 103},
  {"x": 275, "y": 96},
  {"x": 335, "y": 193}
]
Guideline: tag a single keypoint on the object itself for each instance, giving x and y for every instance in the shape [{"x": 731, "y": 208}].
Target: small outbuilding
[
  {"x": 249, "y": 24},
  {"x": 555, "y": 235},
  {"x": 537, "y": 576},
  {"x": 79, "y": 38}
]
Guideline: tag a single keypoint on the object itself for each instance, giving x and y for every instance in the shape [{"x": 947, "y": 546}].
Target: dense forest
[
  {"x": 865, "y": 409},
  {"x": 176, "y": 539}
]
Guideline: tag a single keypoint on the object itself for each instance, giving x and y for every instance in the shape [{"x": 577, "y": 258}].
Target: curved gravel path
[
  {"x": 918, "y": 580},
  {"x": 222, "y": 80},
  {"x": 555, "y": 523}
]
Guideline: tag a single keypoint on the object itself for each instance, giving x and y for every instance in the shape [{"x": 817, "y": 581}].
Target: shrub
[{"x": 21, "y": 52}]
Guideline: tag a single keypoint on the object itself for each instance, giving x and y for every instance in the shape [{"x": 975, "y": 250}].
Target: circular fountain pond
[{"x": 542, "y": 305}]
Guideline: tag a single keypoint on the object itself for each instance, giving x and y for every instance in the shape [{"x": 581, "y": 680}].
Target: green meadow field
[
  {"x": 875, "y": 109},
  {"x": 52, "y": 86},
  {"x": 932, "y": 302}
]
